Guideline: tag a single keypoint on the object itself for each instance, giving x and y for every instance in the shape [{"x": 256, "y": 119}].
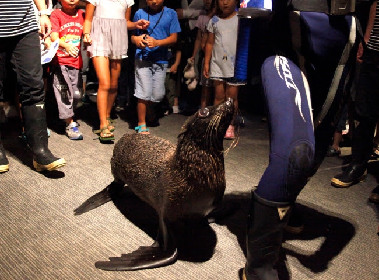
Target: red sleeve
[{"x": 54, "y": 19}]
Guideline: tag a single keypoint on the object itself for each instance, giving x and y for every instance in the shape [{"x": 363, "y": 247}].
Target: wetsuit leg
[{"x": 291, "y": 130}]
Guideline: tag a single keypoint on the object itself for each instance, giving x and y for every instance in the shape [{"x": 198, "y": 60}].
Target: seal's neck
[{"x": 203, "y": 166}]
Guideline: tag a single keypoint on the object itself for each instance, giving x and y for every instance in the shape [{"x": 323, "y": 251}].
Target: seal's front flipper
[
  {"x": 143, "y": 258},
  {"x": 99, "y": 199}
]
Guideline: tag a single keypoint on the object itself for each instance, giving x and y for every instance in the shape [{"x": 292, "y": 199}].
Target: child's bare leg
[
  {"x": 115, "y": 69},
  {"x": 101, "y": 65},
  {"x": 141, "y": 112},
  {"x": 232, "y": 92},
  {"x": 220, "y": 92},
  {"x": 205, "y": 95}
]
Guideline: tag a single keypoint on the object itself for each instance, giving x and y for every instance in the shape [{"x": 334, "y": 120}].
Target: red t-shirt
[{"x": 70, "y": 29}]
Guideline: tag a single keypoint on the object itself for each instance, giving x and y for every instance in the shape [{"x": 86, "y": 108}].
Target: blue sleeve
[{"x": 175, "y": 26}]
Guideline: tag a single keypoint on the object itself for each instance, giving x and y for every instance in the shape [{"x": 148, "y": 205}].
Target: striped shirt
[
  {"x": 17, "y": 17},
  {"x": 373, "y": 42}
]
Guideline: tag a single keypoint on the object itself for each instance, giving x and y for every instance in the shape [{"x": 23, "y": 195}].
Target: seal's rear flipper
[
  {"x": 143, "y": 258},
  {"x": 99, "y": 199}
]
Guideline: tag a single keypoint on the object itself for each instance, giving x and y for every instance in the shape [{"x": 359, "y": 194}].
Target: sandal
[
  {"x": 105, "y": 134},
  {"x": 110, "y": 126},
  {"x": 333, "y": 152},
  {"x": 142, "y": 129}
]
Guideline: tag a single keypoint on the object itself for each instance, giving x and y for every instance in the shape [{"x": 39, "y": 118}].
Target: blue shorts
[{"x": 150, "y": 80}]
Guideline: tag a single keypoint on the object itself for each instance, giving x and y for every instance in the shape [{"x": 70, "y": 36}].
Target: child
[
  {"x": 106, "y": 31},
  {"x": 152, "y": 55},
  {"x": 67, "y": 26},
  {"x": 172, "y": 82},
  {"x": 220, "y": 52},
  {"x": 201, "y": 39}
]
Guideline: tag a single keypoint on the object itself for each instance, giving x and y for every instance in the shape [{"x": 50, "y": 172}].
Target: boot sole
[
  {"x": 339, "y": 184},
  {"x": 49, "y": 167},
  {"x": 243, "y": 275},
  {"x": 4, "y": 168}
]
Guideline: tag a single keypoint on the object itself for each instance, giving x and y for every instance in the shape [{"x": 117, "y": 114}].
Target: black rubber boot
[
  {"x": 34, "y": 117},
  {"x": 4, "y": 163},
  {"x": 267, "y": 220},
  {"x": 362, "y": 142}
]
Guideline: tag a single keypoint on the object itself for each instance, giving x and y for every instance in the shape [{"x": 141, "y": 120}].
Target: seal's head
[{"x": 207, "y": 127}]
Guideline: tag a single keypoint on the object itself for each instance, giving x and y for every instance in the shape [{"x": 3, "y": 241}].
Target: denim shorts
[{"x": 150, "y": 80}]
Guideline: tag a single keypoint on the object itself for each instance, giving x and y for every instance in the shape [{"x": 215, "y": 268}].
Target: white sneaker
[
  {"x": 72, "y": 132},
  {"x": 175, "y": 109}
]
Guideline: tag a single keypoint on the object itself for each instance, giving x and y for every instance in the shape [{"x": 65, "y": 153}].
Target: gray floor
[{"x": 41, "y": 238}]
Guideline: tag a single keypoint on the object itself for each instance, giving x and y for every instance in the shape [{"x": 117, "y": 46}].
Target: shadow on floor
[
  {"x": 336, "y": 233},
  {"x": 196, "y": 239}
]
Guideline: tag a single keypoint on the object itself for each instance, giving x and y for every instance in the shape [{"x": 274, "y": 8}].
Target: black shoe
[
  {"x": 374, "y": 196},
  {"x": 354, "y": 174},
  {"x": 4, "y": 163}
]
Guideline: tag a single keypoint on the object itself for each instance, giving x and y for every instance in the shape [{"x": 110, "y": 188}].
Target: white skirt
[{"x": 109, "y": 38}]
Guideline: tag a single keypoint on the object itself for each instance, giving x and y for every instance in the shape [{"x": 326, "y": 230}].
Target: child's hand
[
  {"x": 47, "y": 43},
  {"x": 151, "y": 42},
  {"x": 87, "y": 40},
  {"x": 72, "y": 50},
  {"x": 174, "y": 68},
  {"x": 206, "y": 70},
  {"x": 142, "y": 24},
  {"x": 141, "y": 41}
]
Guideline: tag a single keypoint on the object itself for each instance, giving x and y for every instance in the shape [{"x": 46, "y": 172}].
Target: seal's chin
[{"x": 208, "y": 125}]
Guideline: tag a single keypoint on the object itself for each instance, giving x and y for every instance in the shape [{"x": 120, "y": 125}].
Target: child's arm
[
  {"x": 208, "y": 53},
  {"x": 197, "y": 44},
  {"x": 139, "y": 24},
  {"x": 178, "y": 57},
  {"x": 151, "y": 42},
  {"x": 90, "y": 9},
  {"x": 204, "y": 40},
  {"x": 70, "y": 48},
  {"x": 47, "y": 42}
]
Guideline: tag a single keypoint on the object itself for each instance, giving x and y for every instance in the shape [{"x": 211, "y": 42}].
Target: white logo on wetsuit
[{"x": 284, "y": 72}]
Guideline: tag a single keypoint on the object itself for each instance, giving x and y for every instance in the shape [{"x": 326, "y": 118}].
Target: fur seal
[{"x": 179, "y": 181}]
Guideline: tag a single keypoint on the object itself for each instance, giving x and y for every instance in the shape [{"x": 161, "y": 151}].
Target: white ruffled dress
[{"x": 109, "y": 32}]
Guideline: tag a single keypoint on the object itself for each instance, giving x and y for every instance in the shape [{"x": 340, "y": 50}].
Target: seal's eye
[{"x": 203, "y": 113}]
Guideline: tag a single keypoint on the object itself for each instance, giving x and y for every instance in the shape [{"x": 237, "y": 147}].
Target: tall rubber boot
[
  {"x": 362, "y": 142},
  {"x": 4, "y": 163},
  {"x": 267, "y": 220},
  {"x": 34, "y": 117}
]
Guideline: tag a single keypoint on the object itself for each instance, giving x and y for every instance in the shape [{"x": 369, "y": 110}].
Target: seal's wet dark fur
[{"x": 179, "y": 181}]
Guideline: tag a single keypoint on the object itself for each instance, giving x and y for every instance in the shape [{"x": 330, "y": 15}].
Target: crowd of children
[{"x": 102, "y": 31}]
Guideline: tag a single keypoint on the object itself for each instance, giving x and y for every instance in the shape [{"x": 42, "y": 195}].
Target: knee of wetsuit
[{"x": 300, "y": 162}]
